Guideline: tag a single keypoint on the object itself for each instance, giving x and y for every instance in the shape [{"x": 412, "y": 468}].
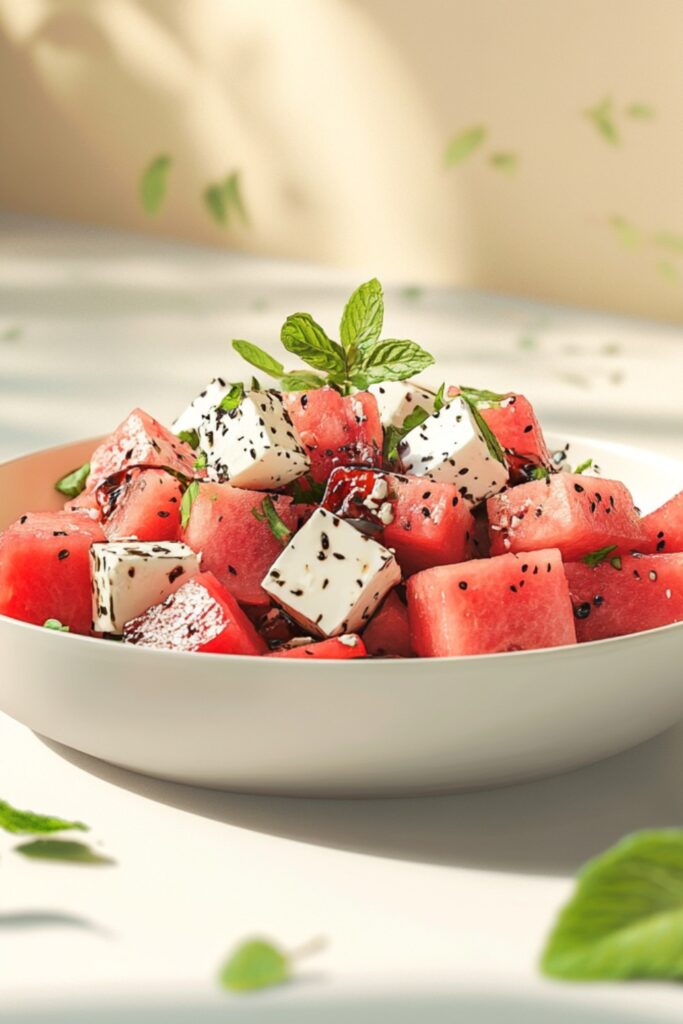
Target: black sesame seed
[
  {"x": 427, "y": 494},
  {"x": 582, "y": 611},
  {"x": 324, "y": 541},
  {"x": 131, "y": 572},
  {"x": 426, "y": 513},
  {"x": 598, "y": 600},
  {"x": 233, "y": 571},
  {"x": 175, "y": 573},
  {"x": 23, "y": 519},
  {"x": 525, "y": 567}
]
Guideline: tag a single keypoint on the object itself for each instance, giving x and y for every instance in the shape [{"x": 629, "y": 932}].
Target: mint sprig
[
  {"x": 30, "y": 823},
  {"x": 362, "y": 357},
  {"x": 73, "y": 483},
  {"x": 267, "y": 514},
  {"x": 190, "y": 437}
]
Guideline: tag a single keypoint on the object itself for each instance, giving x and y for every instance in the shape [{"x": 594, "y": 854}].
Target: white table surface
[{"x": 419, "y": 895}]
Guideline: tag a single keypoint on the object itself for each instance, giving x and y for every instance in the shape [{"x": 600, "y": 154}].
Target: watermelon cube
[
  {"x": 387, "y": 635},
  {"x": 574, "y": 513},
  {"x": 509, "y": 603},
  {"x": 141, "y": 503},
  {"x": 664, "y": 527},
  {"x": 626, "y": 595},
  {"x": 139, "y": 441},
  {"x": 235, "y": 546},
  {"x": 518, "y": 432},
  {"x": 336, "y": 430},
  {"x": 45, "y": 568},
  {"x": 200, "y": 616},
  {"x": 338, "y": 648}
]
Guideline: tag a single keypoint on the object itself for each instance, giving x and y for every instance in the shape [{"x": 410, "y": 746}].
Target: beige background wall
[{"x": 337, "y": 115}]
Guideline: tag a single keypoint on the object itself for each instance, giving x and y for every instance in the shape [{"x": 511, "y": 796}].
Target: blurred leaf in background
[
  {"x": 65, "y": 850},
  {"x": 225, "y": 197},
  {"x": 505, "y": 162},
  {"x": 153, "y": 184},
  {"x": 602, "y": 117},
  {"x": 464, "y": 144},
  {"x": 625, "y": 231},
  {"x": 640, "y": 112}
]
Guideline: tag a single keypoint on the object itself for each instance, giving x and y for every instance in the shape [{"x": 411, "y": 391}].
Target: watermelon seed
[
  {"x": 63, "y": 554},
  {"x": 578, "y": 488},
  {"x": 528, "y": 428},
  {"x": 660, "y": 545},
  {"x": 163, "y": 515},
  {"x": 598, "y": 600},
  {"x": 525, "y": 568},
  {"x": 462, "y": 585},
  {"x": 131, "y": 572},
  {"x": 582, "y": 611},
  {"x": 513, "y": 588},
  {"x": 636, "y": 574},
  {"x": 652, "y": 575},
  {"x": 535, "y": 570},
  {"x": 549, "y": 567}
]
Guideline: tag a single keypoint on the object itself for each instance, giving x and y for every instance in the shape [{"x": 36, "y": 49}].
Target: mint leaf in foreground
[
  {"x": 464, "y": 144},
  {"x": 56, "y": 625},
  {"x": 267, "y": 514},
  {"x": 190, "y": 437},
  {"x": 187, "y": 501},
  {"x": 301, "y": 380},
  {"x": 391, "y": 359},
  {"x": 583, "y": 466},
  {"x": 439, "y": 399},
  {"x": 153, "y": 184},
  {"x": 74, "y": 482},
  {"x": 65, "y": 850},
  {"x": 29, "y": 823},
  {"x": 254, "y": 965},
  {"x": 303, "y": 337},
  {"x": 625, "y": 919},
  {"x": 258, "y": 357},
  {"x": 233, "y": 398},
  {"x": 596, "y": 557},
  {"x": 482, "y": 397},
  {"x": 361, "y": 322}
]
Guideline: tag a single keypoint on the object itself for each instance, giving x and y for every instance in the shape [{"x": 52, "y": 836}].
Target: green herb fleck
[
  {"x": 583, "y": 466},
  {"x": 56, "y": 625},
  {"x": 11, "y": 333},
  {"x": 439, "y": 399},
  {"x": 540, "y": 473},
  {"x": 640, "y": 111},
  {"x": 65, "y": 850},
  {"x": 267, "y": 514},
  {"x": 492, "y": 443},
  {"x": 201, "y": 461},
  {"x": 668, "y": 270},
  {"x": 233, "y": 398},
  {"x": 627, "y": 233},
  {"x": 255, "y": 384},
  {"x": 602, "y": 118},
  {"x": 394, "y": 435},
  {"x": 187, "y": 501},
  {"x": 153, "y": 184},
  {"x": 74, "y": 482},
  {"x": 505, "y": 162},
  {"x": 463, "y": 145},
  {"x": 625, "y": 918},
  {"x": 311, "y": 494},
  {"x": 190, "y": 437},
  {"x": 669, "y": 240},
  {"x": 29, "y": 823},
  {"x": 223, "y": 197},
  {"x": 482, "y": 397},
  {"x": 596, "y": 557},
  {"x": 254, "y": 965},
  {"x": 615, "y": 562}
]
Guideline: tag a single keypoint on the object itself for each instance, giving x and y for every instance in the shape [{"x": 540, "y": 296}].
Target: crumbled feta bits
[
  {"x": 396, "y": 399},
  {"x": 129, "y": 576},
  {"x": 331, "y": 577},
  {"x": 202, "y": 405},
  {"x": 449, "y": 447},
  {"x": 253, "y": 445}
]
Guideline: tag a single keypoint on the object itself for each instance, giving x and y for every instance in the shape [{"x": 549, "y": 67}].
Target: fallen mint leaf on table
[
  {"x": 640, "y": 111},
  {"x": 464, "y": 144},
  {"x": 65, "y": 850},
  {"x": 258, "y": 964},
  {"x": 505, "y": 162},
  {"x": 153, "y": 184},
  {"x": 602, "y": 117},
  {"x": 74, "y": 482},
  {"x": 625, "y": 918},
  {"x": 30, "y": 823}
]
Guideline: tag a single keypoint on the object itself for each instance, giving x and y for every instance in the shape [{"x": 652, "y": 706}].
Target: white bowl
[{"x": 341, "y": 728}]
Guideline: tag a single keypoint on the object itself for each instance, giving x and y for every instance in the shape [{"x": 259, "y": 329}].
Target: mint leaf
[
  {"x": 583, "y": 466},
  {"x": 29, "y": 823},
  {"x": 255, "y": 384},
  {"x": 640, "y": 111},
  {"x": 392, "y": 360},
  {"x": 464, "y": 144},
  {"x": 258, "y": 358},
  {"x": 626, "y": 232},
  {"x": 222, "y": 197},
  {"x": 596, "y": 557},
  {"x": 187, "y": 501},
  {"x": 602, "y": 118},
  {"x": 267, "y": 514},
  {"x": 492, "y": 443},
  {"x": 255, "y": 964},
  {"x": 303, "y": 337},
  {"x": 201, "y": 461},
  {"x": 190, "y": 437},
  {"x": 62, "y": 850},
  {"x": 505, "y": 162},
  {"x": 482, "y": 397},
  {"x": 312, "y": 494},
  {"x": 625, "y": 918},
  {"x": 615, "y": 562},
  {"x": 153, "y": 184},
  {"x": 56, "y": 625},
  {"x": 74, "y": 482},
  {"x": 540, "y": 473},
  {"x": 669, "y": 240},
  {"x": 394, "y": 435},
  {"x": 439, "y": 400},
  {"x": 361, "y": 322},
  {"x": 301, "y": 380},
  {"x": 233, "y": 398}
]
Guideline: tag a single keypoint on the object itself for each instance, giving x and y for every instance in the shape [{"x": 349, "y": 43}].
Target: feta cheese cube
[
  {"x": 331, "y": 577},
  {"x": 129, "y": 576},
  {"x": 396, "y": 399},
  {"x": 202, "y": 405},
  {"x": 449, "y": 447},
  {"x": 254, "y": 445}
]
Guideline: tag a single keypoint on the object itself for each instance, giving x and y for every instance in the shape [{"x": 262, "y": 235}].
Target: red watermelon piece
[
  {"x": 509, "y": 603},
  {"x": 85, "y": 502},
  {"x": 387, "y": 635},
  {"x": 140, "y": 441},
  {"x": 628, "y": 596},
  {"x": 142, "y": 503},
  {"x": 200, "y": 616},
  {"x": 518, "y": 431},
  {"x": 664, "y": 527},
  {"x": 338, "y": 648},
  {"x": 45, "y": 568},
  {"x": 237, "y": 548},
  {"x": 577, "y": 514},
  {"x": 336, "y": 430}
]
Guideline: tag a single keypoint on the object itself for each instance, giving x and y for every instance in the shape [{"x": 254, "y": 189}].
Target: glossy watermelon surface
[
  {"x": 45, "y": 568},
  {"x": 626, "y": 595},
  {"x": 236, "y": 547},
  {"x": 509, "y": 603},
  {"x": 387, "y": 635},
  {"x": 519, "y": 433},
  {"x": 200, "y": 616},
  {"x": 140, "y": 441},
  {"x": 335, "y": 649},
  {"x": 576, "y": 514},
  {"x": 336, "y": 430},
  {"x": 141, "y": 503},
  {"x": 664, "y": 527}
]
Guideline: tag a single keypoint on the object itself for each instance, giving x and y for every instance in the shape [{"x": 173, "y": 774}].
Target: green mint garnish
[
  {"x": 257, "y": 964},
  {"x": 74, "y": 482},
  {"x": 478, "y": 397},
  {"x": 615, "y": 562},
  {"x": 233, "y": 398},
  {"x": 221, "y": 198},
  {"x": 190, "y": 437},
  {"x": 153, "y": 184},
  {"x": 394, "y": 435},
  {"x": 187, "y": 501},
  {"x": 602, "y": 118},
  {"x": 540, "y": 473},
  {"x": 62, "y": 850},
  {"x": 311, "y": 494},
  {"x": 625, "y": 917},
  {"x": 255, "y": 384},
  {"x": 301, "y": 380},
  {"x": 596, "y": 557},
  {"x": 267, "y": 514},
  {"x": 201, "y": 461},
  {"x": 303, "y": 337},
  {"x": 258, "y": 358},
  {"x": 505, "y": 162},
  {"x": 583, "y": 466},
  {"x": 389, "y": 359},
  {"x": 439, "y": 399},
  {"x": 363, "y": 317},
  {"x": 29, "y": 823},
  {"x": 464, "y": 144},
  {"x": 56, "y": 625}
]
